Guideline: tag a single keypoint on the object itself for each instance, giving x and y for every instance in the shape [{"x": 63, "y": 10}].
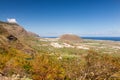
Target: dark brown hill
[{"x": 70, "y": 37}]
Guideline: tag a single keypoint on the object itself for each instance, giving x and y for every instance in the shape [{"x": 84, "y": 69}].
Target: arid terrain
[{"x": 26, "y": 56}]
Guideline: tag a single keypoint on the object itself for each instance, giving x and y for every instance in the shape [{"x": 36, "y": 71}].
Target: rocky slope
[
  {"x": 13, "y": 35},
  {"x": 13, "y": 29}
]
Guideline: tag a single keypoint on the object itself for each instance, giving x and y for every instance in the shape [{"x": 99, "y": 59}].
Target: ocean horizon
[{"x": 95, "y": 38}]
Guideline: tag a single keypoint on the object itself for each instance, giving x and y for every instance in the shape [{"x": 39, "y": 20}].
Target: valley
[{"x": 26, "y": 56}]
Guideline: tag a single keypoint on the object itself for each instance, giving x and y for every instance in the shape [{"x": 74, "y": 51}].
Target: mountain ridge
[{"x": 14, "y": 36}]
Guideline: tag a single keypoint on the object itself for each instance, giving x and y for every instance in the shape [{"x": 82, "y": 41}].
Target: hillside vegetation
[{"x": 25, "y": 57}]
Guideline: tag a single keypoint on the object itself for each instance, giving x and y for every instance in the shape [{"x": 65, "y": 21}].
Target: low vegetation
[{"x": 43, "y": 66}]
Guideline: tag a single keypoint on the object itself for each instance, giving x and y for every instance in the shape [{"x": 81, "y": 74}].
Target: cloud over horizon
[{"x": 11, "y": 20}]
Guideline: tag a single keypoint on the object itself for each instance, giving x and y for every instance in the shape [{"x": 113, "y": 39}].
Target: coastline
[{"x": 95, "y": 38}]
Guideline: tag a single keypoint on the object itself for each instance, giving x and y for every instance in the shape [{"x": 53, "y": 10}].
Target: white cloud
[{"x": 12, "y": 20}]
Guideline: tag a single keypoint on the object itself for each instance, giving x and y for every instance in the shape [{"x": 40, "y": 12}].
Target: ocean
[
  {"x": 103, "y": 38},
  {"x": 97, "y": 38}
]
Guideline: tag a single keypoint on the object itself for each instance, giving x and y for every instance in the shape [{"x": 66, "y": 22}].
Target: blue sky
[{"x": 57, "y": 17}]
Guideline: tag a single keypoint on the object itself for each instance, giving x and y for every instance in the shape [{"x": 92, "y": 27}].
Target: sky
[{"x": 57, "y": 17}]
